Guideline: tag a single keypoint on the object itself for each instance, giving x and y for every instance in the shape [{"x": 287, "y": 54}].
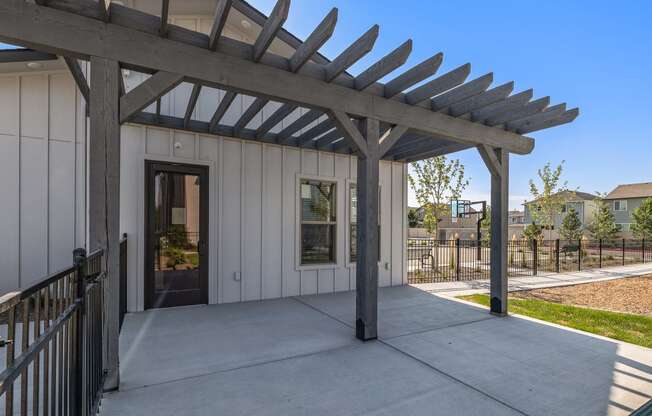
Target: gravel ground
[{"x": 632, "y": 295}]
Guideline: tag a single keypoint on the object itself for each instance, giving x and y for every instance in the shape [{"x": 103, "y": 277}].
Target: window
[
  {"x": 353, "y": 220},
  {"x": 623, "y": 227},
  {"x": 318, "y": 222},
  {"x": 620, "y": 205}
]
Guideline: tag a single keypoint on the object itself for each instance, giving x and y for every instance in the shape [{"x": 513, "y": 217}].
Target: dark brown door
[{"x": 176, "y": 234}]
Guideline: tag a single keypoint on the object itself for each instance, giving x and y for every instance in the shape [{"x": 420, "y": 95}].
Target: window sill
[{"x": 309, "y": 267}]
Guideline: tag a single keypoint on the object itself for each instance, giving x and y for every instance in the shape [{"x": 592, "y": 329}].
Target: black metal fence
[
  {"x": 53, "y": 342},
  {"x": 432, "y": 261}
]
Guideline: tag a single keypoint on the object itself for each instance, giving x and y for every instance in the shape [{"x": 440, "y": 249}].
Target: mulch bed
[{"x": 631, "y": 295}]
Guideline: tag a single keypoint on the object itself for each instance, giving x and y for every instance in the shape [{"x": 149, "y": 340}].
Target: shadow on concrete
[{"x": 434, "y": 356}]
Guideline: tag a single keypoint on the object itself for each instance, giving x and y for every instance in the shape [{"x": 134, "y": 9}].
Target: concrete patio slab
[
  {"x": 539, "y": 369},
  {"x": 434, "y": 356},
  {"x": 344, "y": 381},
  {"x": 168, "y": 344},
  {"x": 401, "y": 310}
]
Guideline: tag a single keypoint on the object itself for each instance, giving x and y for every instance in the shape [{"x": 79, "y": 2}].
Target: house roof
[
  {"x": 632, "y": 190},
  {"x": 572, "y": 196}
]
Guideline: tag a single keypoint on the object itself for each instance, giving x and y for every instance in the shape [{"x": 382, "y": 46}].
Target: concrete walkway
[
  {"x": 453, "y": 289},
  {"x": 434, "y": 356}
]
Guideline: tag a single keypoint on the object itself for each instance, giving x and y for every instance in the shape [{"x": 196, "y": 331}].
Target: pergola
[{"x": 414, "y": 116}]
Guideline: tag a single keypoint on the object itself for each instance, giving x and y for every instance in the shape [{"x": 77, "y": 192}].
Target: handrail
[{"x": 59, "y": 366}]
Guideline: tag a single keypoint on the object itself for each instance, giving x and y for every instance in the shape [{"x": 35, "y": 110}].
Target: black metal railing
[
  {"x": 123, "y": 278},
  {"x": 432, "y": 261},
  {"x": 53, "y": 342}
]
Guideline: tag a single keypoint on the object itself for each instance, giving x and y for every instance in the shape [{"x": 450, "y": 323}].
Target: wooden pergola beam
[
  {"x": 316, "y": 40},
  {"x": 384, "y": 66},
  {"x": 150, "y": 90},
  {"x": 192, "y": 103},
  {"x": 165, "y": 11},
  {"x": 549, "y": 113},
  {"x": 527, "y": 110},
  {"x": 438, "y": 85},
  {"x": 547, "y": 123},
  {"x": 356, "y": 51},
  {"x": 224, "y": 105},
  {"x": 510, "y": 103},
  {"x": 481, "y": 100},
  {"x": 413, "y": 76},
  {"x": 272, "y": 26},
  {"x": 219, "y": 20},
  {"x": 316, "y": 131},
  {"x": 389, "y": 139},
  {"x": 78, "y": 76},
  {"x": 285, "y": 135},
  {"x": 461, "y": 93},
  {"x": 344, "y": 123},
  {"x": 51, "y": 31}
]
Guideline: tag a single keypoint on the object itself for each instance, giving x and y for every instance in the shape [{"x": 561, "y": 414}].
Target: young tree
[
  {"x": 485, "y": 227},
  {"x": 642, "y": 225},
  {"x": 413, "y": 218},
  {"x": 532, "y": 232},
  {"x": 571, "y": 226},
  {"x": 549, "y": 198},
  {"x": 435, "y": 182},
  {"x": 603, "y": 225}
]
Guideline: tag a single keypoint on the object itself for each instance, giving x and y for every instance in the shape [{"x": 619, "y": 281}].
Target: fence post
[
  {"x": 557, "y": 268},
  {"x": 535, "y": 256},
  {"x": 457, "y": 258},
  {"x": 623, "y": 251},
  {"x": 579, "y": 255},
  {"x": 79, "y": 256},
  {"x": 600, "y": 256},
  {"x": 643, "y": 249}
]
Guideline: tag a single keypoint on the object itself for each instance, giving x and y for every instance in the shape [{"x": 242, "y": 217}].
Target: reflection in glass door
[{"x": 176, "y": 224}]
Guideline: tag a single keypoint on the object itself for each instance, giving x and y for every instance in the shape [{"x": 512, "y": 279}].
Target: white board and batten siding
[
  {"x": 253, "y": 241},
  {"x": 253, "y": 217},
  {"x": 42, "y": 171}
]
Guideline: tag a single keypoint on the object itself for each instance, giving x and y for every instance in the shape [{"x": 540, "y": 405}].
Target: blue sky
[{"x": 596, "y": 55}]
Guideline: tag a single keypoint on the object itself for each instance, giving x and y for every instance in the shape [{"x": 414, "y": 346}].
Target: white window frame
[
  {"x": 297, "y": 253},
  {"x": 348, "y": 213},
  {"x": 622, "y": 205}
]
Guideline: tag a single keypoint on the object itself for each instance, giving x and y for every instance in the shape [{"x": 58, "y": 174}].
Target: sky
[
  {"x": 595, "y": 55},
  {"x": 591, "y": 54}
]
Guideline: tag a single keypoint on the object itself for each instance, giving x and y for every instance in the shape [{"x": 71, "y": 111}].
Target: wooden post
[
  {"x": 366, "y": 324},
  {"x": 104, "y": 198},
  {"x": 499, "y": 235}
]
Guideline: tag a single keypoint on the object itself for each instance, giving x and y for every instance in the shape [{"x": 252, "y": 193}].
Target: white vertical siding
[
  {"x": 42, "y": 162},
  {"x": 253, "y": 214}
]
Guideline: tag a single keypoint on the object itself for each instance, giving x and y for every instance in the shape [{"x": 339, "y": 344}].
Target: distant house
[
  {"x": 623, "y": 200},
  {"x": 583, "y": 203},
  {"x": 448, "y": 228},
  {"x": 516, "y": 224}
]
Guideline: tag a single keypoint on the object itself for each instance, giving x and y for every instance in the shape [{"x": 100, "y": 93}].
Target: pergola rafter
[{"x": 352, "y": 114}]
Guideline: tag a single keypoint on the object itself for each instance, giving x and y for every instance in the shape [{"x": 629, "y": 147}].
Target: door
[{"x": 176, "y": 235}]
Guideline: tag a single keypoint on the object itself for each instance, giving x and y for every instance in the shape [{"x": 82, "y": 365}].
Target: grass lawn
[{"x": 636, "y": 329}]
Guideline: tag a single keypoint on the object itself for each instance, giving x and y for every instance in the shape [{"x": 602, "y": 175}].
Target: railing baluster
[
  {"x": 46, "y": 354},
  {"x": 24, "y": 377},
  {"x": 11, "y": 337},
  {"x": 36, "y": 374},
  {"x": 60, "y": 369}
]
